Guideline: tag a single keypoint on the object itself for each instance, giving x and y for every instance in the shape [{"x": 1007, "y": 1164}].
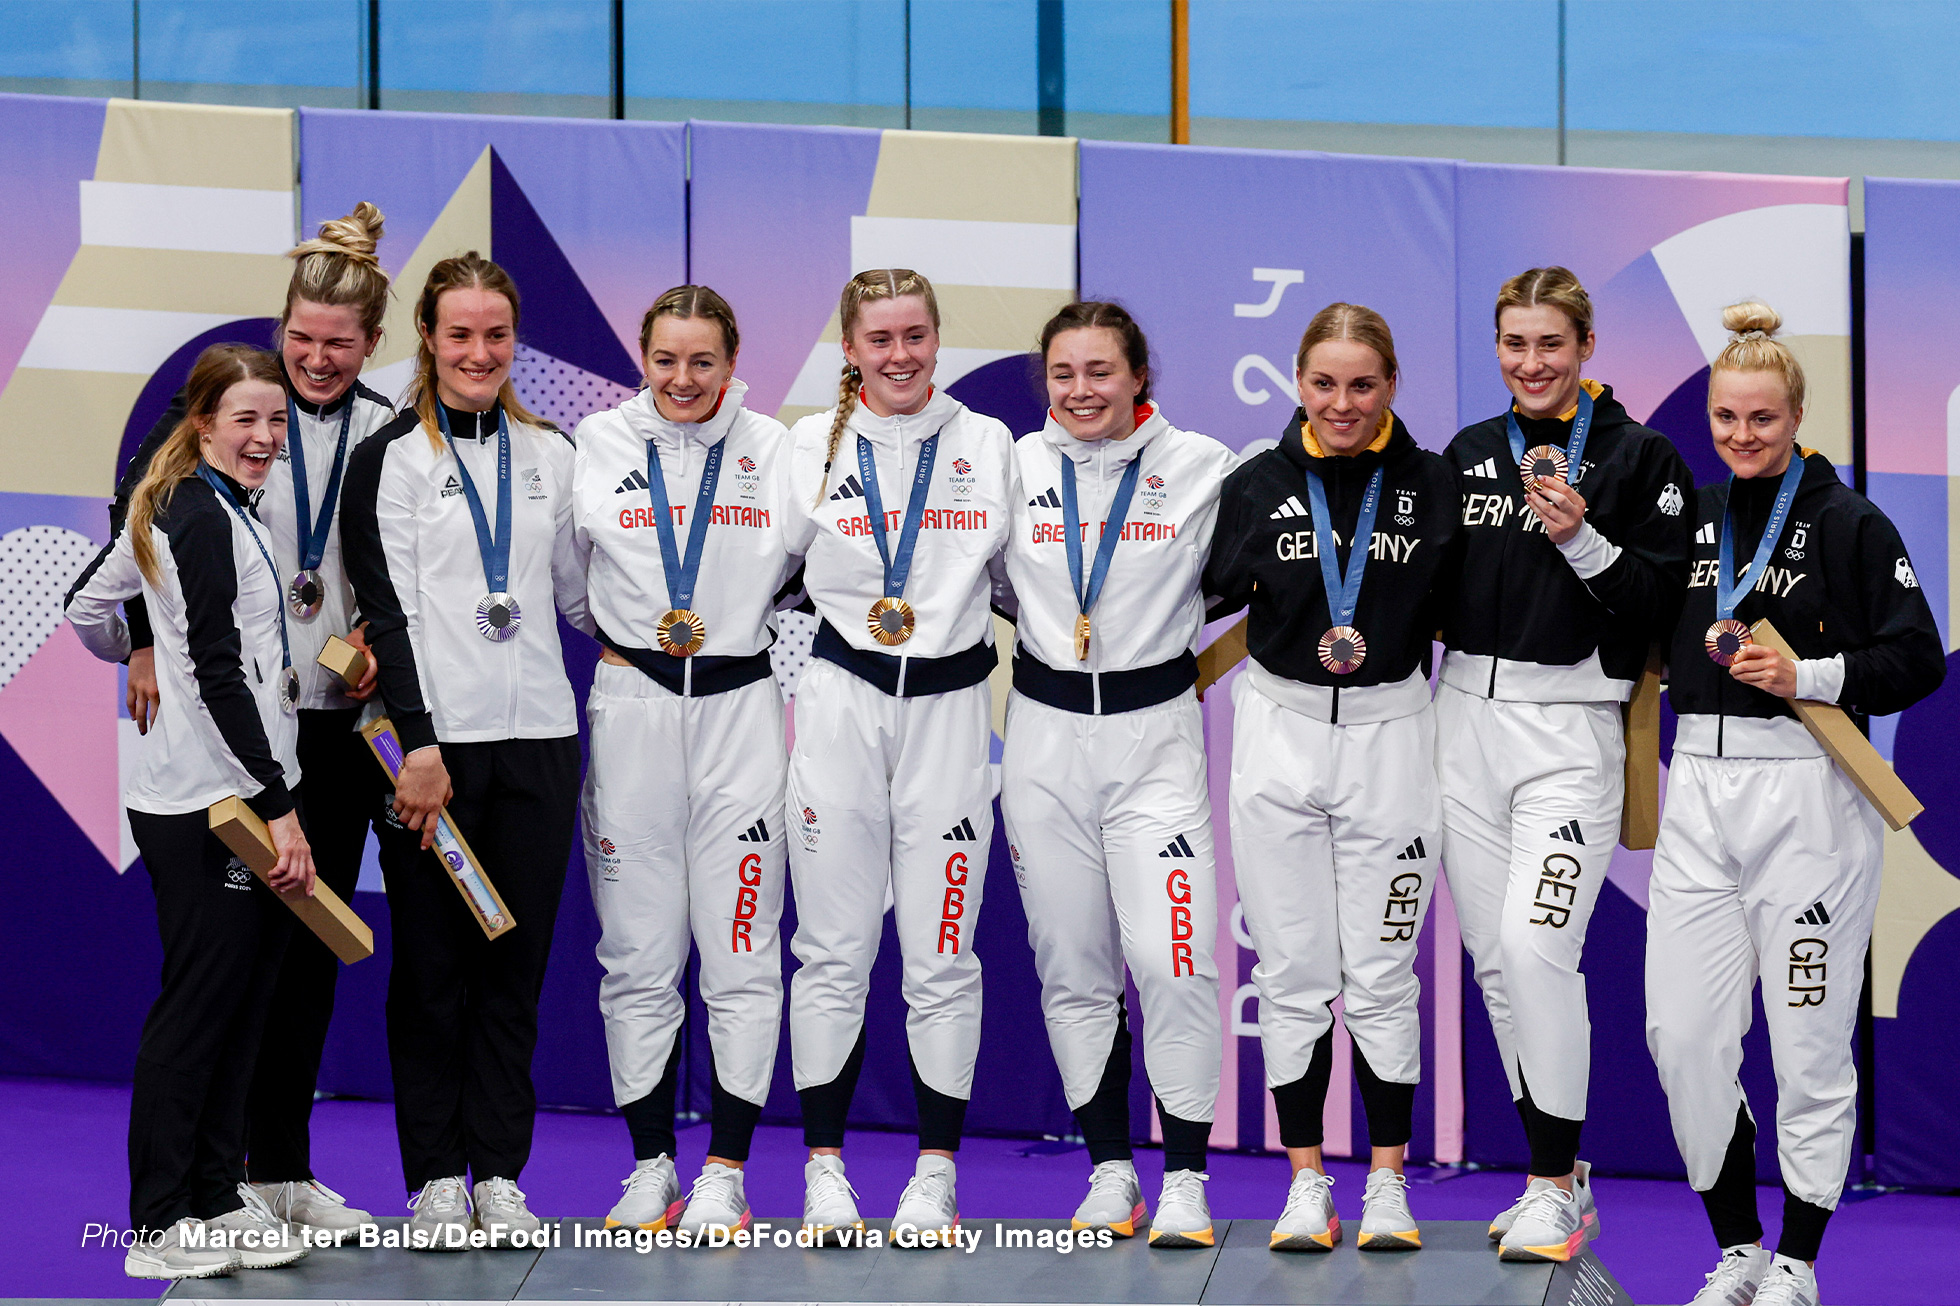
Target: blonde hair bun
[
  {"x": 356, "y": 236},
  {"x": 1751, "y": 315},
  {"x": 1753, "y": 347}
]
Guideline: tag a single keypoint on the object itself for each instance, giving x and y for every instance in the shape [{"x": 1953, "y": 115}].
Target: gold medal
[
  {"x": 1342, "y": 650},
  {"x": 891, "y": 621},
  {"x": 681, "y": 632},
  {"x": 1082, "y": 638},
  {"x": 1725, "y": 641},
  {"x": 1541, "y": 463}
]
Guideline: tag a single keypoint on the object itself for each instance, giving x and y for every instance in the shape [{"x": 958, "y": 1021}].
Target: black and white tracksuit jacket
[
  {"x": 411, "y": 550},
  {"x": 1535, "y": 621},
  {"x": 214, "y": 612},
  {"x": 1839, "y": 588}
]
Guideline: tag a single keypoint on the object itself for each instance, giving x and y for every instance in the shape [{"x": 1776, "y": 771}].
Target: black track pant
[
  {"x": 223, "y": 935},
  {"x": 463, "y": 1009},
  {"x": 343, "y": 788}
]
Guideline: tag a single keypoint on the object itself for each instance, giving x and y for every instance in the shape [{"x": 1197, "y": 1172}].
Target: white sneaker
[
  {"x": 311, "y": 1203},
  {"x": 1183, "y": 1218},
  {"x": 652, "y": 1199},
  {"x": 717, "y": 1200},
  {"x": 1115, "y": 1200},
  {"x": 166, "y": 1257},
  {"x": 829, "y": 1201},
  {"x": 1787, "y": 1282},
  {"x": 261, "y": 1239},
  {"x": 1309, "y": 1222},
  {"x": 1386, "y": 1223},
  {"x": 441, "y": 1222},
  {"x": 929, "y": 1203},
  {"x": 1581, "y": 1189},
  {"x": 1734, "y": 1279},
  {"x": 500, "y": 1212},
  {"x": 1548, "y": 1225}
]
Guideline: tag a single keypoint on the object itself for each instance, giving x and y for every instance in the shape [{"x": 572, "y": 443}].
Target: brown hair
[
  {"x": 1114, "y": 317},
  {"x": 339, "y": 267},
  {"x": 472, "y": 271},
  {"x": 216, "y": 371},
  {"x": 1356, "y": 322},
  {"x": 690, "y": 302},
  {"x": 1752, "y": 347},
  {"x": 876, "y": 283},
  {"x": 1554, "y": 286}
]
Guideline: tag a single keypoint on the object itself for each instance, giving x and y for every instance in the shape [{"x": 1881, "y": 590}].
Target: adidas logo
[
  {"x": 850, "y": 489},
  {"x": 1413, "y": 853},
  {"x": 1486, "y": 469},
  {"x": 1570, "y": 832},
  {"x": 963, "y": 832},
  {"x": 1705, "y": 534},
  {"x": 1815, "y": 916},
  {"x": 451, "y": 487},
  {"x": 634, "y": 481},
  {"x": 1178, "y": 847},
  {"x": 1047, "y": 499},
  {"x": 757, "y": 833},
  {"x": 1291, "y": 508}
]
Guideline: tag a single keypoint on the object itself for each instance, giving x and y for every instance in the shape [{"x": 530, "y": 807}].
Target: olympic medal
[
  {"x": 303, "y": 594},
  {"x": 681, "y": 632},
  {"x": 498, "y": 617},
  {"x": 1543, "y": 462},
  {"x": 1725, "y": 641},
  {"x": 1342, "y": 650},
  {"x": 891, "y": 621},
  {"x": 288, "y": 691},
  {"x": 1082, "y": 638}
]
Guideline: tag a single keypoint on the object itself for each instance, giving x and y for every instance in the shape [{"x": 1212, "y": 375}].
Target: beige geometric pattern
[{"x": 1916, "y": 895}]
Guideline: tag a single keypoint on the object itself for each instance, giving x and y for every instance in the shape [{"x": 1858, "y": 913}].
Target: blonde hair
[
  {"x": 691, "y": 302},
  {"x": 471, "y": 271},
  {"x": 1553, "y": 286},
  {"x": 1339, "y": 321},
  {"x": 216, "y": 371},
  {"x": 339, "y": 267},
  {"x": 862, "y": 289},
  {"x": 1752, "y": 347}
]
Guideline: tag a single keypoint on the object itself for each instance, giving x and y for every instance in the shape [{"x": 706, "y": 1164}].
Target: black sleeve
[
  {"x": 201, "y": 550},
  {"x": 1646, "y": 583},
  {"x": 136, "y": 612},
  {"x": 1227, "y": 583},
  {"x": 366, "y": 554},
  {"x": 1905, "y": 661}
]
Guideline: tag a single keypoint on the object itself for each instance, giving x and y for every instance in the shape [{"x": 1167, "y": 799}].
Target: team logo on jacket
[
  {"x": 962, "y": 466},
  {"x": 809, "y": 830},
  {"x": 1153, "y": 495},
  {"x": 1671, "y": 501},
  {"x": 451, "y": 487},
  {"x": 1799, "y": 537},
  {"x": 1903, "y": 573},
  {"x": 1405, "y": 507},
  {"x": 746, "y": 464},
  {"x": 746, "y": 481},
  {"x": 608, "y": 861},
  {"x": 962, "y": 481},
  {"x": 533, "y": 483}
]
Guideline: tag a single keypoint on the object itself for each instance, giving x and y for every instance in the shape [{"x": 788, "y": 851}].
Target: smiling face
[
  {"x": 1540, "y": 352},
  {"x": 1755, "y": 428},
  {"x": 474, "y": 342},
  {"x": 246, "y": 433},
  {"x": 1344, "y": 391},
  {"x": 686, "y": 367},
  {"x": 1091, "y": 390},
  {"x": 323, "y": 347},
  {"x": 894, "y": 346}
]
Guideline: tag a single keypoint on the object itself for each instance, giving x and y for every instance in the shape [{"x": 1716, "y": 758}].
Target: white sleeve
[
  {"x": 571, "y": 553},
  {"x": 92, "y": 605},
  {"x": 1821, "y": 680},
  {"x": 1589, "y": 552}
]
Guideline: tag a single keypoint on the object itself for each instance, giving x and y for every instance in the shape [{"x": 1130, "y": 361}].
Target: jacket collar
[
  {"x": 1303, "y": 451},
  {"x": 891, "y": 432},
  {"x": 1150, "y": 425},
  {"x": 645, "y": 421}
]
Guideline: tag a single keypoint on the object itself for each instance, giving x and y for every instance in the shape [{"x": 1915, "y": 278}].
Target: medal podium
[{"x": 1457, "y": 1266}]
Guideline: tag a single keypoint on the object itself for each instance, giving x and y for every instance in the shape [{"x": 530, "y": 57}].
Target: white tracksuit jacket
[
  {"x": 1103, "y": 776},
  {"x": 411, "y": 551},
  {"x": 889, "y": 783},
  {"x": 683, "y": 801}
]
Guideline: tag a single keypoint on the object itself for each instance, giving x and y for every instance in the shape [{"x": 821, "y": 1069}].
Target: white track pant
[
  {"x": 1531, "y": 814},
  {"x": 1109, "y": 824},
  {"x": 888, "y": 795},
  {"x": 1335, "y": 832},
  {"x": 683, "y": 816},
  {"x": 1765, "y": 869}
]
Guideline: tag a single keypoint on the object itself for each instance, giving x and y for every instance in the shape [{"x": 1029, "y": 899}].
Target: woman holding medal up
[
  {"x": 1341, "y": 541},
  {"x": 1103, "y": 775},
  {"x": 458, "y": 529},
  {"x": 677, "y": 498},
  {"x": 898, "y": 499},
  {"x": 1768, "y": 861},
  {"x": 1575, "y": 555}
]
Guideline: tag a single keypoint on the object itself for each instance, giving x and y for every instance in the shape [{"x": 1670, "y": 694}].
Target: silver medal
[
  {"x": 304, "y": 593},
  {"x": 498, "y": 617}
]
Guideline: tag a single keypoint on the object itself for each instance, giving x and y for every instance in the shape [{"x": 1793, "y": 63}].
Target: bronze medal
[
  {"x": 681, "y": 632},
  {"x": 1725, "y": 641},
  {"x": 1540, "y": 463},
  {"x": 1342, "y": 650},
  {"x": 891, "y": 621},
  {"x": 1082, "y": 638}
]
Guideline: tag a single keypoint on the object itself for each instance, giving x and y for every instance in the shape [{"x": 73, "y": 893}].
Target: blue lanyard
[
  {"x": 1728, "y": 596},
  {"x": 1119, "y": 512},
  {"x": 1575, "y": 448},
  {"x": 493, "y": 549},
  {"x": 210, "y": 478},
  {"x": 1343, "y": 595},
  {"x": 897, "y": 566},
  {"x": 682, "y": 573},
  {"x": 313, "y": 539}
]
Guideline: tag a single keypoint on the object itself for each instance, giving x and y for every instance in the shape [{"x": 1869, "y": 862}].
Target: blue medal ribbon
[
  {"x": 211, "y": 478},
  {"x": 1119, "y": 512},
  {"x": 898, "y": 566},
  {"x": 683, "y": 572},
  {"x": 1575, "y": 447},
  {"x": 1729, "y": 595},
  {"x": 493, "y": 549},
  {"x": 1343, "y": 593},
  {"x": 313, "y": 536}
]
